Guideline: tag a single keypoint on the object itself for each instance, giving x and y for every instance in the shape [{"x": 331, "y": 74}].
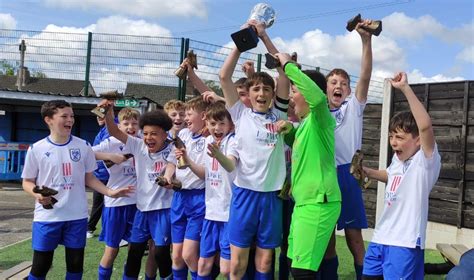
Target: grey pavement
[{"x": 16, "y": 213}]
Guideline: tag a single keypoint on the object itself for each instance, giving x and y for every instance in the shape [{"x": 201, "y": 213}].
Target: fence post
[
  {"x": 88, "y": 64},
  {"x": 259, "y": 62},
  {"x": 182, "y": 93},
  {"x": 464, "y": 133},
  {"x": 384, "y": 152},
  {"x": 181, "y": 55}
]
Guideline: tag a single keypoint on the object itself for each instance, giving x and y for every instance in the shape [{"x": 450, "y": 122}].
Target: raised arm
[
  {"x": 308, "y": 88},
  {"x": 194, "y": 78},
  {"x": 362, "y": 88},
  {"x": 283, "y": 84},
  {"x": 225, "y": 76},
  {"x": 110, "y": 123},
  {"x": 422, "y": 118}
]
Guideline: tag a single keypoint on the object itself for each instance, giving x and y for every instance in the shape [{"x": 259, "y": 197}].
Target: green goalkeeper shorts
[{"x": 311, "y": 228}]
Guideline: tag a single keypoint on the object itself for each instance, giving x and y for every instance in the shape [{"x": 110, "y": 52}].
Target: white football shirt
[
  {"x": 259, "y": 149},
  {"x": 405, "y": 213},
  {"x": 348, "y": 133},
  {"x": 218, "y": 182},
  {"x": 196, "y": 149},
  {"x": 63, "y": 168},
  {"x": 120, "y": 175},
  {"x": 150, "y": 196}
]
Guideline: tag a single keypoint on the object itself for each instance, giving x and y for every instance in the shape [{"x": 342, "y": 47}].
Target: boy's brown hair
[
  {"x": 240, "y": 82},
  {"x": 403, "y": 121},
  {"x": 49, "y": 108},
  {"x": 197, "y": 104},
  {"x": 174, "y": 104},
  {"x": 340, "y": 72},
  {"x": 217, "y": 111},
  {"x": 128, "y": 114},
  {"x": 260, "y": 77}
]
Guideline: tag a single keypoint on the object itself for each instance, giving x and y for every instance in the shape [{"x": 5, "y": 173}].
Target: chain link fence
[{"x": 110, "y": 61}]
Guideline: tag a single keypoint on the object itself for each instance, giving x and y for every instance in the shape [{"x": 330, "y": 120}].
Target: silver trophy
[{"x": 247, "y": 38}]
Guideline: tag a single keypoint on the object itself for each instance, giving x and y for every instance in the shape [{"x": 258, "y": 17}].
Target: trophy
[
  {"x": 161, "y": 181},
  {"x": 46, "y": 192},
  {"x": 179, "y": 144},
  {"x": 247, "y": 38},
  {"x": 374, "y": 28},
  {"x": 357, "y": 171},
  {"x": 182, "y": 71},
  {"x": 100, "y": 111},
  {"x": 109, "y": 163},
  {"x": 271, "y": 62}
]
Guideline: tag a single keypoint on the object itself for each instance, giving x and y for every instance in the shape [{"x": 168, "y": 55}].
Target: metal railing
[{"x": 110, "y": 61}]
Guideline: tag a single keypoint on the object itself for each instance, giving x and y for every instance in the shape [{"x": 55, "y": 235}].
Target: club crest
[
  {"x": 199, "y": 145},
  {"x": 75, "y": 154}
]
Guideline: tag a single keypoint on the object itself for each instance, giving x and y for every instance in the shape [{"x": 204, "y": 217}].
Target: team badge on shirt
[
  {"x": 75, "y": 154},
  {"x": 199, "y": 145}
]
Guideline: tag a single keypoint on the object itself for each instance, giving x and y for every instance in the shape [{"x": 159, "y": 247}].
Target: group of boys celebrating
[{"x": 236, "y": 153}]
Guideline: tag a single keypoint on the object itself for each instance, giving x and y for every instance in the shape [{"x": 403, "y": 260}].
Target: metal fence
[{"x": 110, "y": 61}]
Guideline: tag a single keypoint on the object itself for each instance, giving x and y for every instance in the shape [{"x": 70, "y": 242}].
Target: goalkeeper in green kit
[{"x": 314, "y": 180}]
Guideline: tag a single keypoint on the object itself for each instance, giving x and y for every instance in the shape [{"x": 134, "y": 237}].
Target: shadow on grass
[{"x": 18, "y": 253}]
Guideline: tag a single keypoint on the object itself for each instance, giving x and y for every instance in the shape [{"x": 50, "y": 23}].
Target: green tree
[
  {"x": 8, "y": 68},
  {"x": 214, "y": 86}
]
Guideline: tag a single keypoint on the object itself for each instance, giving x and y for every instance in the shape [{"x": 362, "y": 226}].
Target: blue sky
[{"x": 431, "y": 40}]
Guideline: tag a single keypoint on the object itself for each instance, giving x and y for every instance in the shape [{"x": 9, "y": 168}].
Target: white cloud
[
  {"x": 148, "y": 56},
  {"x": 400, "y": 26},
  {"x": 466, "y": 55},
  {"x": 415, "y": 77},
  {"x": 146, "y": 8},
  {"x": 7, "y": 21},
  {"x": 116, "y": 25}
]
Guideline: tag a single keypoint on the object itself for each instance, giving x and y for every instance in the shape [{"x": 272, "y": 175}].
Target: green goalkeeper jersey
[{"x": 313, "y": 164}]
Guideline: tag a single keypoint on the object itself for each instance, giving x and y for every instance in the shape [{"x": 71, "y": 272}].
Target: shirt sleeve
[
  {"x": 357, "y": 106},
  {"x": 90, "y": 162},
  {"x": 30, "y": 169},
  {"x": 236, "y": 110},
  {"x": 133, "y": 144},
  {"x": 308, "y": 88}
]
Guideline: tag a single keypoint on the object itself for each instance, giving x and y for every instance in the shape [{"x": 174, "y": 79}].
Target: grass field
[{"x": 22, "y": 252}]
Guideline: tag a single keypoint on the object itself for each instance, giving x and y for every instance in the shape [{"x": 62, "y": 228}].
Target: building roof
[
  {"x": 155, "y": 93},
  {"x": 51, "y": 86}
]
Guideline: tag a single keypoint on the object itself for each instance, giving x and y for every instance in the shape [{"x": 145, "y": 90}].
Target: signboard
[
  {"x": 126, "y": 103},
  {"x": 14, "y": 146}
]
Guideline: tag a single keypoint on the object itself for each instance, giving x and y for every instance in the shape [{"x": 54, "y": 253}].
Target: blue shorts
[
  {"x": 215, "y": 238},
  {"x": 117, "y": 223},
  {"x": 155, "y": 224},
  {"x": 393, "y": 262},
  {"x": 255, "y": 216},
  {"x": 47, "y": 235},
  {"x": 352, "y": 210},
  {"x": 187, "y": 214}
]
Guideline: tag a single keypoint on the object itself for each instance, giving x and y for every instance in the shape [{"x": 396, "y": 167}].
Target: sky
[{"x": 431, "y": 40}]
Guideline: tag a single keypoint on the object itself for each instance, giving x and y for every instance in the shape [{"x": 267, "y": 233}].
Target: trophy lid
[{"x": 263, "y": 13}]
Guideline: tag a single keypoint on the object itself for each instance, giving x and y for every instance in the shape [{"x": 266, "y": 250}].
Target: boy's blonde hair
[
  {"x": 174, "y": 104},
  {"x": 128, "y": 114},
  {"x": 197, "y": 104}
]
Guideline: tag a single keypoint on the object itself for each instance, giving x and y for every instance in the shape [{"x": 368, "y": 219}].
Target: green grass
[{"x": 22, "y": 252}]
